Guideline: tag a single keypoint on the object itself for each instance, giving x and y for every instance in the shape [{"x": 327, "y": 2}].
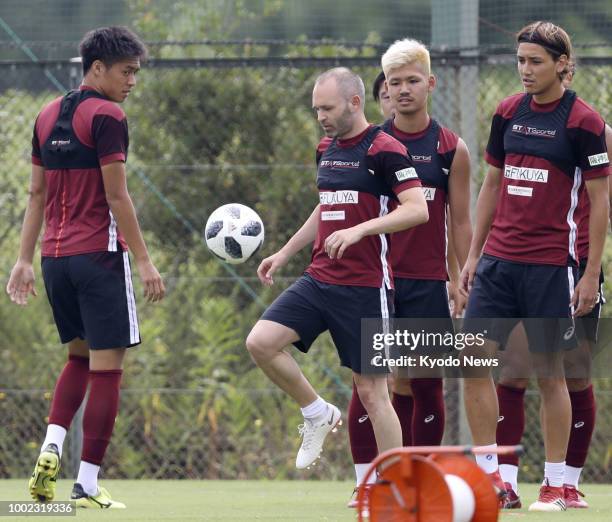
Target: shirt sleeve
[
  {"x": 591, "y": 149},
  {"x": 111, "y": 138},
  {"x": 36, "y": 154},
  {"x": 495, "y": 153},
  {"x": 391, "y": 161}
]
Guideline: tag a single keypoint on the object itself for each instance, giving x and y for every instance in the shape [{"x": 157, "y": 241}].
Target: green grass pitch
[{"x": 243, "y": 501}]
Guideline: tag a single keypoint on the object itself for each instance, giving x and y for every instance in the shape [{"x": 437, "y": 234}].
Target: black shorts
[
  {"x": 92, "y": 298},
  {"x": 310, "y": 307},
  {"x": 422, "y": 305},
  {"x": 587, "y": 325},
  {"x": 539, "y": 295},
  {"x": 421, "y": 298}
]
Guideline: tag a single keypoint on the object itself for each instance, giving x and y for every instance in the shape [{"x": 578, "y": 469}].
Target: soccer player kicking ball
[
  {"x": 514, "y": 380},
  {"x": 78, "y": 186},
  {"x": 361, "y": 170},
  {"x": 419, "y": 254},
  {"x": 542, "y": 144}
]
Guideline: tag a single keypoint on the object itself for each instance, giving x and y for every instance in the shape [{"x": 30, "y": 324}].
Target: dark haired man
[{"x": 78, "y": 186}]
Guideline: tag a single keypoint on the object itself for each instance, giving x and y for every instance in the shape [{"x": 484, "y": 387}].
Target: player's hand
[
  {"x": 154, "y": 289},
  {"x": 466, "y": 279},
  {"x": 457, "y": 300},
  {"x": 337, "y": 242},
  {"x": 21, "y": 283},
  {"x": 269, "y": 265},
  {"x": 585, "y": 295}
]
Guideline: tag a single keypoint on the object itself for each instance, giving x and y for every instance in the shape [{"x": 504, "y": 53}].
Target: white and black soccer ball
[{"x": 234, "y": 232}]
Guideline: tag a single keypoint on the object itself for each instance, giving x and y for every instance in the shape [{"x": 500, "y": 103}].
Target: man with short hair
[
  {"x": 419, "y": 255},
  {"x": 78, "y": 186},
  {"x": 361, "y": 172}
]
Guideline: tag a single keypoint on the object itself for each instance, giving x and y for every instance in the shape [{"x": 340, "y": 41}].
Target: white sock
[
  {"x": 487, "y": 461},
  {"x": 314, "y": 409},
  {"x": 554, "y": 473},
  {"x": 509, "y": 474},
  {"x": 88, "y": 477},
  {"x": 572, "y": 476},
  {"x": 360, "y": 473},
  {"x": 55, "y": 435}
]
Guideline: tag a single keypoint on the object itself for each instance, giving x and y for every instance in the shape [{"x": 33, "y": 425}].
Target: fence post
[{"x": 455, "y": 104}]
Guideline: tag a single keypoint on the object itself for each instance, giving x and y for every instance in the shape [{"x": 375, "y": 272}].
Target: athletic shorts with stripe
[
  {"x": 587, "y": 326},
  {"x": 311, "y": 307},
  {"x": 506, "y": 292},
  {"x": 92, "y": 298}
]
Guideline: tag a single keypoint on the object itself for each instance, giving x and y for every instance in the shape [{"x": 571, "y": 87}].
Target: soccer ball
[{"x": 234, "y": 232}]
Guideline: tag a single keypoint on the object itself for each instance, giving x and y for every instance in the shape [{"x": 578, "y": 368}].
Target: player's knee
[
  {"x": 401, "y": 386},
  {"x": 259, "y": 347},
  {"x": 514, "y": 382},
  {"x": 552, "y": 386},
  {"x": 578, "y": 384},
  {"x": 373, "y": 397}
]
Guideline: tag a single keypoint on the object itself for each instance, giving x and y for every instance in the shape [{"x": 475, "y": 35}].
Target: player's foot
[
  {"x": 572, "y": 497},
  {"x": 499, "y": 486},
  {"x": 550, "y": 499},
  {"x": 512, "y": 500},
  {"x": 352, "y": 503},
  {"x": 313, "y": 433},
  {"x": 102, "y": 500},
  {"x": 44, "y": 477}
]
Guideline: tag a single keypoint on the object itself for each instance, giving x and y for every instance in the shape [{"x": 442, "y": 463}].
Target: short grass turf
[{"x": 242, "y": 501}]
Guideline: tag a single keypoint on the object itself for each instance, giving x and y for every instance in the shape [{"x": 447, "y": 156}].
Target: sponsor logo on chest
[
  {"x": 526, "y": 174},
  {"x": 340, "y": 197},
  {"x": 520, "y": 191},
  {"x": 339, "y": 164},
  {"x": 421, "y": 158},
  {"x": 429, "y": 193},
  {"x": 534, "y": 131}
]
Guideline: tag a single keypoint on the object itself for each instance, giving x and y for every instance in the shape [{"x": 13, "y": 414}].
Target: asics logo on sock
[
  {"x": 500, "y": 418},
  {"x": 579, "y": 424},
  {"x": 362, "y": 419},
  {"x": 428, "y": 419}
]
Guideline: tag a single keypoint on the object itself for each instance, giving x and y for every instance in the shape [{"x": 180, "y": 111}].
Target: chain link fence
[
  {"x": 206, "y": 131},
  {"x": 178, "y": 433}
]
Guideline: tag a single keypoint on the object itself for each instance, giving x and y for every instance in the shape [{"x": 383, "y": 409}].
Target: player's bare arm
[
  {"x": 609, "y": 147},
  {"x": 120, "y": 203},
  {"x": 21, "y": 280},
  {"x": 585, "y": 294},
  {"x": 303, "y": 237},
  {"x": 459, "y": 202},
  {"x": 411, "y": 211},
  {"x": 485, "y": 210}
]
